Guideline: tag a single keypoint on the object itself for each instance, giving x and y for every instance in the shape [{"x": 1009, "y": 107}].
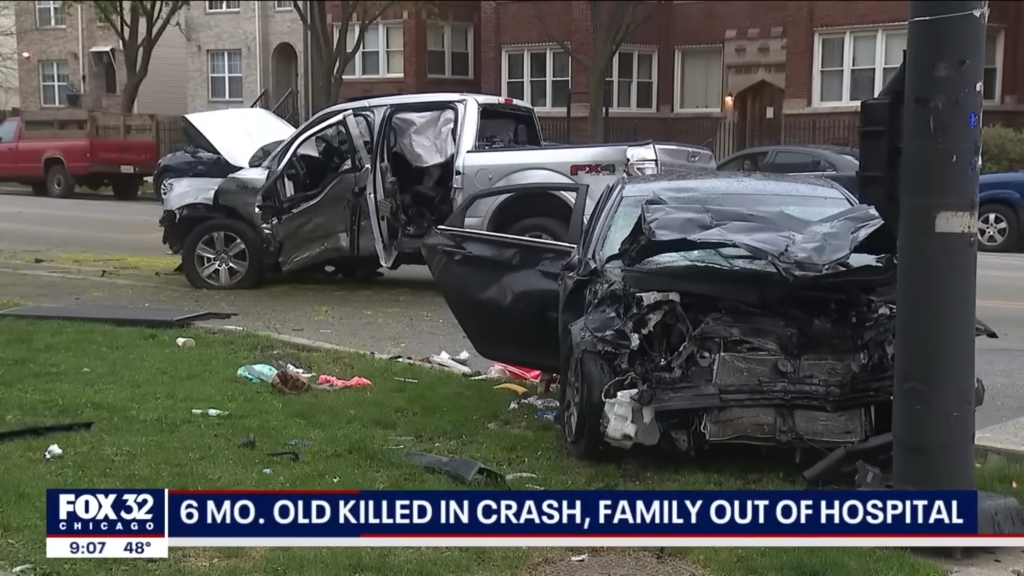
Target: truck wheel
[
  {"x": 59, "y": 182},
  {"x": 39, "y": 189},
  {"x": 541, "y": 227},
  {"x": 997, "y": 228},
  {"x": 223, "y": 255},
  {"x": 125, "y": 188}
]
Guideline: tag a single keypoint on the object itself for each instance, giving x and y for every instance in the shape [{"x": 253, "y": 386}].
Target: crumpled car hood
[
  {"x": 790, "y": 243},
  {"x": 237, "y": 133}
]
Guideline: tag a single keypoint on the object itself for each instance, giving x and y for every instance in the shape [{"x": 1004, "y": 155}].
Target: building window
[
  {"x": 539, "y": 76},
  {"x": 631, "y": 85},
  {"x": 993, "y": 65},
  {"x": 50, "y": 14},
  {"x": 699, "y": 79},
  {"x": 382, "y": 52},
  {"x": 854, "y": 65},
  {"x": 225, "y": 74},
  {"x": 284, "y": 4},
  {"x": 53, "y": 82},
  {"x": 223, "y": 6},
  {"x": 449, "y": 50}
]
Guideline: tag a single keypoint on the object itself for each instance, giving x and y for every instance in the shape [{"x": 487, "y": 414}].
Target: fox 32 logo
[{"x": 106, "y": 512}]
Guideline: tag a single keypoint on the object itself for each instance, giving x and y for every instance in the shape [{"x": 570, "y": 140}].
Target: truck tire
[
  {"x": 542, "y": 227},
  {"x": 39, "y": 189},
  {"x": 125, "y": 188},
  {"x": 997, "y": 228},
  {"x": 208, "y": 244},
  {"x": 58, "y": 182}
]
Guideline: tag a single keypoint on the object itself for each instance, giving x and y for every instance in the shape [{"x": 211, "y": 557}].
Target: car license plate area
[{"x": 128, "y": 169}]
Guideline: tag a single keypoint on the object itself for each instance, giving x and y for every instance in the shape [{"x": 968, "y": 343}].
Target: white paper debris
[{"x": 52, "y": 452}]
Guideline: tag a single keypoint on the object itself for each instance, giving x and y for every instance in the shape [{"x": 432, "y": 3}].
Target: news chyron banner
[{"x": 145, "y": 523}]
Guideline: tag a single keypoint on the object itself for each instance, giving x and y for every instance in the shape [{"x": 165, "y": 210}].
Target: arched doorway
[
  {"x": 759, "y": 115},
  {"x": 284, "y": 71}
]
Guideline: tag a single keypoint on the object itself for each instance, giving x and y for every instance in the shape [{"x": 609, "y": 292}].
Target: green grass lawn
[{"x": 140, "y": 388}]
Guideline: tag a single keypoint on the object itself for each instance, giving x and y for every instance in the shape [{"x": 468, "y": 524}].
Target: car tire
[
  {"x": 583, "y": 381},
  {"x": 39, "y": 189},
  {"x": 202, "y": 245},
  {"x": 541, "y": 227},
  {"x": 997, "y": 228},
  {"x": 58, "y": 182},
  {"x": 125, "y": 188}
]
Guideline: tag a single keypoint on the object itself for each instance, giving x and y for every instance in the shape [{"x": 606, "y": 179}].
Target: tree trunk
[
  {"x": 595, "y": 117},
  {"x": 130, "y": 93}
]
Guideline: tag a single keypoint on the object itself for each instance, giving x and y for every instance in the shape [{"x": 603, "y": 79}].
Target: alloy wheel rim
[
  {"x": 221, "y": 258},
  {"x": 992, "y": 229}
]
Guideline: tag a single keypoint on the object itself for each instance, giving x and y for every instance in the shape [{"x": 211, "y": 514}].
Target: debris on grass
[
  {"x": 291, "y": 454},
  {"x": 413, "y": 380},
  {"x": 249, "y": 442},
  {"x": 329, "y": 382},
  {"x": 210, "y": 412},
  {"x": 519, "y": 475},
  {"x": 299, "y": 443},
  {"x": 580, "y": 558},
  {"x": 457, "y": 467},
  {"x": 257, "y": 373},
  {"x": 53, "y": 452},
  {"x": 454, "y": 364},
  {"x": 502, "y": 370},
  {"x": 536, "y": 401},
  {"x": 185, "y": 342},
  {"x": 289, "y": 382},
  {"x": 547, "y": 415},
  {"x": 44, "y": 430},
  {"x": 512, "y": 387}
]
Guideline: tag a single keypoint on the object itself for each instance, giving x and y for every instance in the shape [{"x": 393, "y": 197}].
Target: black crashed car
[{"x": 692, "y": 310}]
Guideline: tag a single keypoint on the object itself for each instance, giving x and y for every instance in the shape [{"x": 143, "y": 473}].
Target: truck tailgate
[{"x": 129, "y": 153}]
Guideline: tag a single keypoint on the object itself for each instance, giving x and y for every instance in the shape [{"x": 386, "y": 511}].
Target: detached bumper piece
[{"x": 122, "y": 315}]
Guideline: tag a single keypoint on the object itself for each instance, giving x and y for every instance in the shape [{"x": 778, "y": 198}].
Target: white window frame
[
  {"x": 382, "y": 50},
  {"x": 284, "y": 5},
  {"x": 613, "y": 70},
  {"x": 677, "y": 78},
  {"x": 55, "y": 7},
  {"x": 847, "y": 35},
  {"x": 211, "y": 6},
  {"x": 226, "y": 75},
  {"x": 526, "y": 50},
  {"x": 447, "y": 31},
  {"x": 1000, "y": 34},
  {"x": 55, "y": 85}
]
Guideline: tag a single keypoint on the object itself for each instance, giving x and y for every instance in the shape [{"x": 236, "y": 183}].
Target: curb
[
  {"x": 1005, "y": 439},
  {"x": 320, "y": 345}
]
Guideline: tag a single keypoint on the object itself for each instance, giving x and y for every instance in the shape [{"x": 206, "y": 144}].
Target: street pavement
[{"x": 400, "y": 313}]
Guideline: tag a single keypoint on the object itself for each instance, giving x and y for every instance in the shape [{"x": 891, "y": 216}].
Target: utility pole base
[{"x": 999, "y": 514}]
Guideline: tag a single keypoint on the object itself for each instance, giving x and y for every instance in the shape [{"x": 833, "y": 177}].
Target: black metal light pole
[{"x": 933, "y": 420}]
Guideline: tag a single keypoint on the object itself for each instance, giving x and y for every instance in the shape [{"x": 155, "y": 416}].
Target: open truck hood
[{"x": 236, "y": 133}]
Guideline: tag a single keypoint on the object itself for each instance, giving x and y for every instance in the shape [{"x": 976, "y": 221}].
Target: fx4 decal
[{"x": 592, "y": 170}]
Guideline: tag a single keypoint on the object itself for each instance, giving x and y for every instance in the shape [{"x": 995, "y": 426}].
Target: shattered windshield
[{"x": 811, "y": 208}]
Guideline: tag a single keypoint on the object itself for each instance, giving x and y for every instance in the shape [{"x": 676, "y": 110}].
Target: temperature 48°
[{"x": 136, "y": 547}]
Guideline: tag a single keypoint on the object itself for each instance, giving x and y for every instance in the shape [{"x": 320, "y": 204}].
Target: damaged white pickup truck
[
  {"x": 358, "y": 185},
  {"x": 693, "y": 310}
]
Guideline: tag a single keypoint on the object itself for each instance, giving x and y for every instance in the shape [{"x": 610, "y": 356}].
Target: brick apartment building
[
  {"x": 62, "y": 49},
  {"x": 732, "y": 74}
]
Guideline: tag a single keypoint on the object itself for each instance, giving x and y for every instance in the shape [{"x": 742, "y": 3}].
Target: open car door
[{"x": 504, "y": 289}]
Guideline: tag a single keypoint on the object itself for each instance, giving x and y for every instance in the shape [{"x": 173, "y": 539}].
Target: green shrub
[{"x": 1002, "y": 149}]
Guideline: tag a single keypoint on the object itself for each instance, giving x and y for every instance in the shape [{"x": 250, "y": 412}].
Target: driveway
[{"x": 399, "y": 314}]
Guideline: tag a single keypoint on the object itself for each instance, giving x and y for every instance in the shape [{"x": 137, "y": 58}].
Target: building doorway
[
  {"x": 759, "y": 115},
  {"x": 284, "y": 71}
]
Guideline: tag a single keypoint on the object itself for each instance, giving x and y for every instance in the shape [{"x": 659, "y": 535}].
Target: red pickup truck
[{"x": 54, "y": 151}]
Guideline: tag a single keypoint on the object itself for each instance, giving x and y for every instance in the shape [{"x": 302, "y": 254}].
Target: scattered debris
[
  {"x": 502, "y": 370},
  {"x": 547, "y": 415},
  {"x": 454, "y": 364},
  {"x": 457, "y": 467},
  {"x": 268, "y": 471},
  {"x": 328, "y": 382},
  {"x": 401, "y": 438},
  {"x": 52, "y": 452},
  {"x": 258, "y": 373},
  {"x": 535, "y": 487},
  {"x": 406, "y": 379},
  {"x": 291, "y": 454},
  {"x": 86, "y": 370},
  {"x": 580, "y": 558},
  {"x": 210, "y": 412},
  {"x": 249, "y": 442},
  {"x": 22, "y": 568},
  {"x": 185, "y": 342},
  {"x": 513, "y": 387},
  {"x": 518, "y": 475},
  {"x": 44, "y": 430},
  {"x": 124, "y": 315},
  {"x": 299, "y": 443},
  {"x": 289, "y": 382},
  {"x": 540, "y": 403}
]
